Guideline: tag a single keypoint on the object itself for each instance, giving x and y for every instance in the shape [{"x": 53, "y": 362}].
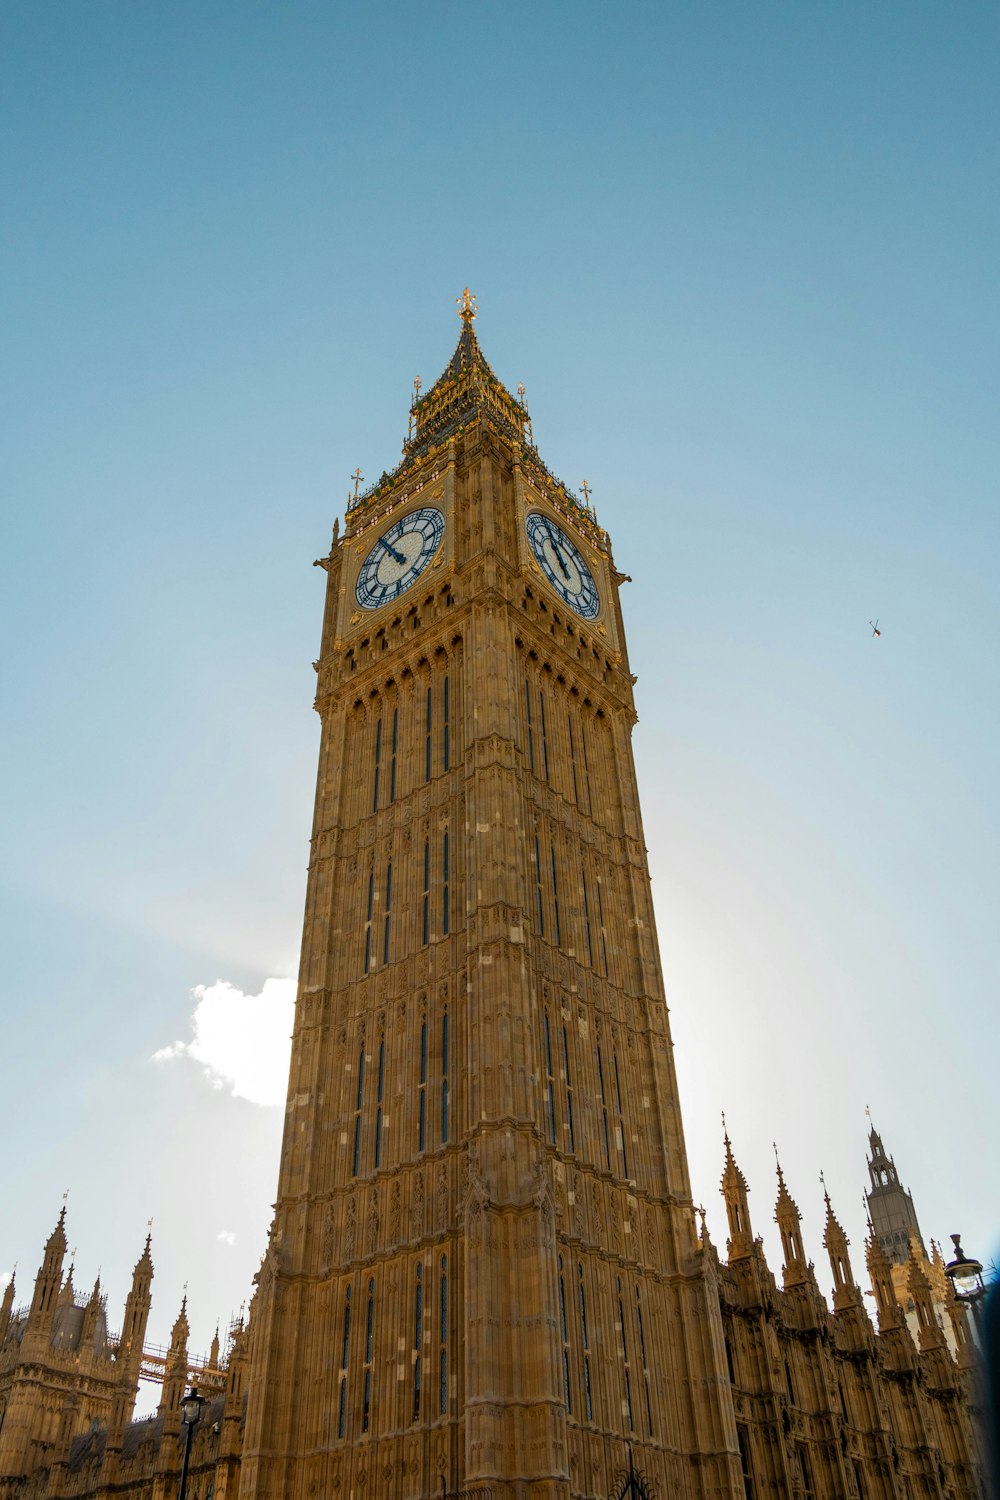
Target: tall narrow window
[
  {"x": 422, "y": 1088},
  {"x": 744, "y": 1442},
  {"x": 368, "y": 920},
  {"x": 342, "y": 1413},
  {"x": 550, "y": 1077},
  {"x": 555, "y": 896},
  {"x": 604, "y": 1110},
  {"x": 645, "y": 1360},
  {"x": 565, "y": 1338},
  {"x": 427, "y": 736},
  {"x": 357, "y": 1110},
  {"x": 445, "y": 888},
  {"x": 625, "y": 1361},
  {"x": 378, "y": 765},
  {"x": 586, "y": 767},
  {"x": 545, "y": 737},
  {"x": 378, "y": 1103},
  {"x": 446, "y": 728},
  {"x": 418, "y": 1339},
  {"x": 569, "y": 1091},
  {"x": 531, "y": 736},
  {"x": 588, "y": 1395},
  {"x": 621, "y": 1117},
  {"x": 443, "y": 1338},
  {"x": 427, "y": 893},
  {"x": 444, "y": 1078},
  {"x": 395, "y": 747},
  {"x": 366, "y": 1404},
  {"x": 538, "y": 889},
  {"x": 586, "y": 919},
  {"x": 572, "y": 759},
  {"x": 600, "y": 920},
  {"x": 388, "y": 912}
]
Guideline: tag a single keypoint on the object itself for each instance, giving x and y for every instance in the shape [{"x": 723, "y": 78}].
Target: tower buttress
[
  {"x": 735, "y": 1191},
  {"x": 795, "y": 1268},
  {"x": 846, "y": 1292},
  {"x": 128, "y": 1359},
  {"x": 48, "y": 1282},
  {"x": 890, "y": 1316}
]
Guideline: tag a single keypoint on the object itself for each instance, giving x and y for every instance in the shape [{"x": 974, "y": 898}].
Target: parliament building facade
[{"x": 485, "y": 1274}]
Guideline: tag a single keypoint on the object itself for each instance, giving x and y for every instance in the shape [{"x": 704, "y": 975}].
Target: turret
[
  {"x": 49, "y": 1279},
  {"x": 93, "y": 1315},
  {"x": 175, "y": 1373},
  {"x": 890, "y": 1206},
  {"x": 6, "y": 1306},
  {"x": 734, "y": 1191},
  {"x": 889, "y": 1315},
  {"x": 846, "y": 1293},
  {"x": 929, "y": 1331},
  {"x": 789, "y": 1222},
  {"x": 137, "y": 1305}
]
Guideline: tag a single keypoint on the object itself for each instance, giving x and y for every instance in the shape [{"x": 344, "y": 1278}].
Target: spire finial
[
  {"x": 725, "y": 1131},
  {"x": 467, "y": 307},
  {"x": 826, "y": 1195},
  {"x": 358, "y": 478}
]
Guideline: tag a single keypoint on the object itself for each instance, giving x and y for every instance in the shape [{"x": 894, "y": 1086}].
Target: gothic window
[
  {"x": 569, "y": 1092},
  {"x": 378, "y": 1109},
  {"x": 444, "y": 1079},
  {"x": 443, "y": 1339},
  {"x": 378, "y": 765},
  {"x": 586, "y": 919},
  {"x": 446, "y": 729},
  {"x": 572, "y": 760},
  {"x": 538, "y": 889},
  {"x": 445, "y": 887},
  {"x": 606, "y": 1133},
  {"x": 744, "y": 1442},
  {"x": 550, "y": 1079},
  {"x": 422, "y": 1089},
  {"x": 427, "y": 893},
  {"x": 586, "y": 768},
  {"x": 395, "y": 747},
  {"x": 545, "y": 738},
  {"x": 357, "y": 1111},
  {"x": 388, "y": 912},
  {"x": 418, "y": 1338},
  {"x": 555, "y": 895},
  {"x": 427, "y": 735},
  {"x": 600, "y": 920},
  {"x": 345, "y": 1350},
  {"x": 625, "y": 1359},
  {"x": 366, "y": 1405},
  {"x": 585, "y": 1341},
  {"x": 565, "y": 1338},
  {"x": 621, "y": 1116},
  {"x": 531, "y": 736},
  {"x": 805, "y": 1470},
  {"x": 368, "y": 920},
  {"x": 645, "y": 1361}
]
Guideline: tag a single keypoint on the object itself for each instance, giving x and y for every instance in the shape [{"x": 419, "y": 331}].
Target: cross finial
[
  {"x": 585, "y": 491},
  {"x": 467, "y": 308},
  {"x": 357, "y": 476},
  {"x": 417, "y": 383},
  {"x": 520, "y": 392}
]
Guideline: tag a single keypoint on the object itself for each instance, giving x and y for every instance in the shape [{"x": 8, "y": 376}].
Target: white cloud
[
  {"x": 5, "y": 1277},
  {"x": 241, "y": 1041},
  {"x": 226, "y": 1237}
]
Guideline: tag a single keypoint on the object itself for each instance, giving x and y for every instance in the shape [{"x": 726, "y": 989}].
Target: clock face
[
  {"x": 562, "y": 564},
  {"x": 399, "y": 557}
]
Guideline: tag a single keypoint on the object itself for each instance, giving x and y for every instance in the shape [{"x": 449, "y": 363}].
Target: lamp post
[
  {"x": 966, "y": 1276},
  {"x": 191, "y": 1406}
]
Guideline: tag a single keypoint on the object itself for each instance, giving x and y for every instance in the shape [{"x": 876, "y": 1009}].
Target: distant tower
[{"x": 893, "y": 1216}]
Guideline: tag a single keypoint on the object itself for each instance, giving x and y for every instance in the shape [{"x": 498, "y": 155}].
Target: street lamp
[
  {"x": 191, "y": 1405},
  {"x": 966, "y": 1277}
]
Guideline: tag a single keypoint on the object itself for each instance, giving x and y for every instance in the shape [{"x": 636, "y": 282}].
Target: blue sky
[{"x": 744, "y": 261}]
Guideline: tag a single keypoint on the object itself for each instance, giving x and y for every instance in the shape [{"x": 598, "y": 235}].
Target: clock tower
[{"x": 483, "y": 1269}]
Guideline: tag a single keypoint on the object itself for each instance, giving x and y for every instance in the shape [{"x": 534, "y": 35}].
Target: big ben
[{"x": 483, "y": 1270}]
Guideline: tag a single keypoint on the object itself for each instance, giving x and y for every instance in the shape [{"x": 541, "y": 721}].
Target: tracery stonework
[{"x": 484, "y": 1269}]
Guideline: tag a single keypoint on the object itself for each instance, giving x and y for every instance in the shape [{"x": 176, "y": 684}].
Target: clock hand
[
  {"x": 559, "y": 557},
  {"x": 398, "y": 556}
]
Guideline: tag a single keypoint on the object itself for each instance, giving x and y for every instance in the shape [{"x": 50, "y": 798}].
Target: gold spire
[{"x": 467, "y": 307}]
